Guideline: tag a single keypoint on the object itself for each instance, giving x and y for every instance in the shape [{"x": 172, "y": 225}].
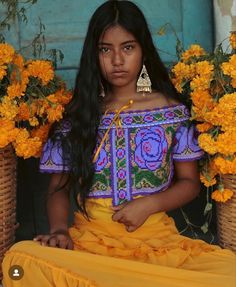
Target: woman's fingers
[{"x": 55, "y": 240}]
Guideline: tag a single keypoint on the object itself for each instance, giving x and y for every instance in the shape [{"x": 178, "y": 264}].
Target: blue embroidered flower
[
  {"x": 128, "y": 120},
  {"x": 121, "y": 173},
  {"x": 122, "y": 194},
  {"x": 102, "y": 160},
  {"x": 169, "y": 115},
  {"x": 120, "y": 153},
  {"x": 106, "y": 121},
  {"x": 148, "y": 118},
  {"x": 151, "y": 146}
]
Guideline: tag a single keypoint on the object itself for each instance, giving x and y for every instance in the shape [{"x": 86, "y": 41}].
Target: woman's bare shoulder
[{"x": 160, "y": 100}]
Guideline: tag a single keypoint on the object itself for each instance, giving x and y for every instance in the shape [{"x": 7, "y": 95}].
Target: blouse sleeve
[
  {"x": 186, "y": 143},
  {"x": 53, "y": 160}
]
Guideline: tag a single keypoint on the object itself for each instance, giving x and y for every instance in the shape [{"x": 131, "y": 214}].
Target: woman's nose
[{"x": 118, "y": 58}]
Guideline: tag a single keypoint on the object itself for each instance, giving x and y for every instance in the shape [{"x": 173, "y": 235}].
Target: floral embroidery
[
  {"x": 151, "y": 147},
  {"x": 102, "y": 160},
  {"x": 137, "y": 158},
  {"x": 120, "y": 153}
]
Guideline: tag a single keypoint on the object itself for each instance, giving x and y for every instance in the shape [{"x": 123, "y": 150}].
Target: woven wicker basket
[
  {"x": 7, "y": 200},
  {"x": 226, "y": 216}
]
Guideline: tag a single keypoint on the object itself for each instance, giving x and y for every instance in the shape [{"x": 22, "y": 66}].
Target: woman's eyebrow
[{"x": 123, "y": 43}]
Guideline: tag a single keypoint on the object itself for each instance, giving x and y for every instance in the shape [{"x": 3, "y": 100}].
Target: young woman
[{"x": 129, "y": 153}]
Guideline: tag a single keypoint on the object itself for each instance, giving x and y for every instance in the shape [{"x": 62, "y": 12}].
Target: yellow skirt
[{"x": 108, "y": 256}]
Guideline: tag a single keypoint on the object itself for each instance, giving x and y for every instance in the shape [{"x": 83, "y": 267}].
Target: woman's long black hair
[{"x": 84, "y": 110}]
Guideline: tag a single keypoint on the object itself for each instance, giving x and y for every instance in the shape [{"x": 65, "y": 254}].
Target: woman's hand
[
  {"x": 132, "y": 214},
  {"x": 60, "y": 238}
]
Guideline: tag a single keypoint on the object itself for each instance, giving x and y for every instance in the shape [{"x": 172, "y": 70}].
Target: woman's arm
[
  {"x": 58, "y": 205},
  {"x": 185, "y": 188}
]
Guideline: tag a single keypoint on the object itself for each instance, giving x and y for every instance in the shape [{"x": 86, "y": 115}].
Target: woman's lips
[{"x": 118, "y": 74}]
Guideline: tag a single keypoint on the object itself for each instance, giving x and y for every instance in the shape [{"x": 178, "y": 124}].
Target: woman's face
[{"x": 120, "y": 57}]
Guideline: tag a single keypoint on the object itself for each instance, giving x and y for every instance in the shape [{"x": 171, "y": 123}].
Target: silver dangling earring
[
  {"x": 144, "y": 83},
  {"x": 102, "y": 92}
]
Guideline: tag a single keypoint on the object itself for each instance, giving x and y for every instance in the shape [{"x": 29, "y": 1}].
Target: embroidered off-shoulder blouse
[{"x": 137, "y": 158}]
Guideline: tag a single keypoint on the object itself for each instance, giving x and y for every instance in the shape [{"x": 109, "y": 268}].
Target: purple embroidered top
[{"x": 136, "y": 159}]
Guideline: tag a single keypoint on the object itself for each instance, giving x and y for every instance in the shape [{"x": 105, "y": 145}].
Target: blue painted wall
[{"x": 66, "y": 24}]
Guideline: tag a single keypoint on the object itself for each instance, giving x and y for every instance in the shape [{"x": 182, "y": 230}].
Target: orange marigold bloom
[
  {"x": 23, "y": 112},
  {"x": 55, "y": 114},
  {"x": 63, "y": 96},
  {"x": 204, "y": 127},
  {"x": 207, "y": 180},
  {"x": 222, "y": 195},
  {"x": 233, "y": 83},
  {"x": 194, "y": 50},
  {"x": 22, "y": 136},
  {"x": 3, "y": 72},
  {"x": 229, "y": 68},
  {"x": 225, "y": 166},
  {"x": 41, "y": 132},
  {"x": 200, "y": 83},
  {"x": 14, "y": 90},
  {"x": 42, "y": 70},
  {"x": 6, "y": 53},
  {"x": 177, "y": 82},
  {"x": 33, "y": 121},
  {"x": 232, "y": 40},
  {"x": 202, "y": 99},
  {"x": 8, "y": 109},
  {"x": 207, "y": 143},
  {"x": 204, "y": 68},
  {"x": 184, "y": 71},
  {"x": 30, "y": 147}
]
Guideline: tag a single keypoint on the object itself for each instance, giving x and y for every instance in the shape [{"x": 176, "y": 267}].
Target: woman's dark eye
[
  {"x": 104, "y": 49},
  {"x": 128, "y": 47}
]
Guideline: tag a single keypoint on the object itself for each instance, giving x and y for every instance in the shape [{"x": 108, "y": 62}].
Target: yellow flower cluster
[
  {"x": 232, "y": 40},
  {"x": 32, "y": 98},
  {"x": 210, "y": 81}
]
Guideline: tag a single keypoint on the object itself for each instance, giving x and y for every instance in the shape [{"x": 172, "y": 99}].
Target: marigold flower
[
  {"x": 33, "y": 121},
  {"x": 202, "y": 99},
  {"x": 200, "y": 83},
  {"x": 207, "y": 143},
  {"x": 28, "y": 148},
  {"x": 194, "y": 50},
  {"x": 183, "y": 71},
  {"x": 222, "y": 195},
  {"x": 23, "y": 112},
  {"x": 41, "y": 132},
  {"x": 204, "y": 68},
  {"x": 42, "y": 70},
  {"x": 6, "y": 53},
  {"x": 232, "y": 40},
  {"x": 14, "y": 90},
  {"x": 55, "y": 114},
  {"x": 207, "y": 180},
  {"x": 3, "y": 72},
  {"x": 63, "y": 96},
  {"x": 225, "y": 166},
  {"x": 8, "y": 109},
  {"x": 204, "y": 127}
]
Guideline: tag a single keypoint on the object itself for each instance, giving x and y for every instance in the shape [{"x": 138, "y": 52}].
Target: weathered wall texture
[{"x": 225, "y": 20}]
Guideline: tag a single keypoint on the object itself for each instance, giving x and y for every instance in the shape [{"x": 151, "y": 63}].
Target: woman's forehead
[{"x": 115, "y": 35}]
